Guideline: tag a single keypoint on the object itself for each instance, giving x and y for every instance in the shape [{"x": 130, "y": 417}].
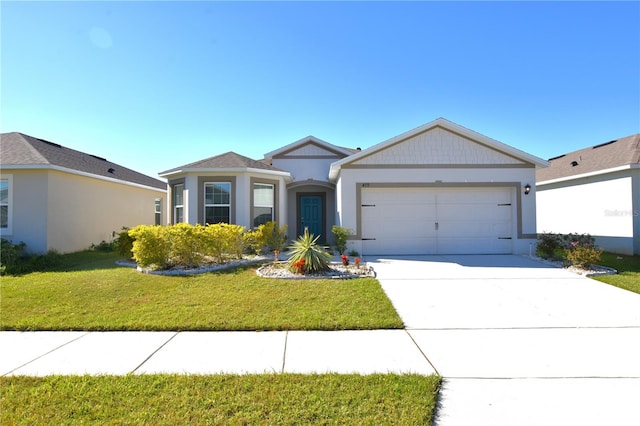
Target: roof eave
[
  {"x": 174, "y": 172},
  {"x": 8, "y": 167},
  {"x": 589, "y": 174}
]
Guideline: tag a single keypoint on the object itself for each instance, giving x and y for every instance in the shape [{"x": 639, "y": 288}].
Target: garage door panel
[{"x": 431, "y": 221}]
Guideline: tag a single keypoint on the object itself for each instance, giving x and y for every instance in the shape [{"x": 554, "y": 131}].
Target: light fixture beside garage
[{"x": 527, "y": 189}]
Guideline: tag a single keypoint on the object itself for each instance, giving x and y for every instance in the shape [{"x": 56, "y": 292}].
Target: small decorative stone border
[
  {"x": 337, "y": 271},
  {"x": 594, "y": 271},
  {"x": 194, "y": 271}
]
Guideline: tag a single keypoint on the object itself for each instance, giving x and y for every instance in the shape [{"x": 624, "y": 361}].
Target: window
[
  {"x": 5, "y": 219},
  {"x": 217, "y": 202},
  {"x": 263, "y": 203},
  {"x": 178, "y": 203},
  {"x": 158, "y": 211}
]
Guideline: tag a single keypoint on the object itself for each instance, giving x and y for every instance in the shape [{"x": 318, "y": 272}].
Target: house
[
  {"x": 439, "y": 188},
  {"x": 595, "y": 190},
  {"x": 57, "y": 198}
]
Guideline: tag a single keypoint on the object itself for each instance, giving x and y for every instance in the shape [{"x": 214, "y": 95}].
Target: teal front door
[{"x": 311, "y": 215}]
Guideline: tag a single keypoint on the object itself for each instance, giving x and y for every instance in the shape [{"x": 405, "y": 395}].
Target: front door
[{"x": 311, "y": 215}]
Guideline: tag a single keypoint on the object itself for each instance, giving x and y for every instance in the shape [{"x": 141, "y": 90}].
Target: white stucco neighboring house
[
  {"x": 57, "y": 198},
  {"x": 437, "y": 189},
  {"x": 595, "y": 190}
]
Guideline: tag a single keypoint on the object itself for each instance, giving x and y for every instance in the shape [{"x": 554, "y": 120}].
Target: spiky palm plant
[{"x": 306, "y": 249}]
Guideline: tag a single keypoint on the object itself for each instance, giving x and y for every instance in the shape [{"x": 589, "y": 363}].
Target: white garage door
[{"x": 436, "y": 221}]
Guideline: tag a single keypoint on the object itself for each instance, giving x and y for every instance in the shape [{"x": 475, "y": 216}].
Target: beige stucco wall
[{"x": 55, "y": 210}]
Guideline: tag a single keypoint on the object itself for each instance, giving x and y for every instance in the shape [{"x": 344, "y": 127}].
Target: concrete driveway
[{"x": 520, "y": 342}]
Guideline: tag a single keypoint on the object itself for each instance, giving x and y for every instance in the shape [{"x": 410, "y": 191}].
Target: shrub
[
  {"x": 151, "y": 246},
  {"x": 186, "y": 244},
  {"x": 14, "y": 260},
  {"x": 306, "y": 248},
  {"x": 102, "y": 246},
  {"x": 10, "y": 254},
  {"x": 583, "y": 255},
  {"x": 223, "y": 239},
  {"x": 548, "y": 243},
  {"x": 253, "y": 240},
  {"x": 123, "y": 243},
  {"x": 340, "y": 236}
]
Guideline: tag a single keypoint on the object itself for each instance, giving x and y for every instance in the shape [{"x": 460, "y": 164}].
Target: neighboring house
[
  {"x": 595, "y": 190},
  {"x": 440, "y": 188},
  {"x": 56, "y": 198}
]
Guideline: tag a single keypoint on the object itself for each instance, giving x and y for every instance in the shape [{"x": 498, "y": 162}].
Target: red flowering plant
[
  {"x": 357, "y": 262},
  {"x": 299, "y": 266},
  {"x": 345, "y": 260}
]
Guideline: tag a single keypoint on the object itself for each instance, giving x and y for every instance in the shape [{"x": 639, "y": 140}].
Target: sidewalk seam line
[
  {"x": 284, "y": 353},
  {"x": 422, "y": 352},
  {"x": 155, "y": 352},
  {"x": 46, "y": 353}
]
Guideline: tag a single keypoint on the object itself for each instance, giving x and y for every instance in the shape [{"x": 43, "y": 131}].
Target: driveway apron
[{"x": 518, "y": 341}]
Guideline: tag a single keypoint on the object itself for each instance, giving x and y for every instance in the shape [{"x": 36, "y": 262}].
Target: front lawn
[
  {"x": 628, "y": 267},
  {"x": 92, "y": 293},
  {"x": 225, "y": 399}
]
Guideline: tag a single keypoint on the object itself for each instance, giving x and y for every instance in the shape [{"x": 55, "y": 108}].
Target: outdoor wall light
[{"x": 527, "y": 189}]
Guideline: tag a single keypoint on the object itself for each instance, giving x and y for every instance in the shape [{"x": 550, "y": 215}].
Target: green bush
[
  {"x": 123, "y": 243},
  {"x": 10, "y": 254},
  {"x": 222, "y": 240},
  {"x": 151, "y": 246},
  {"x": 548, "y": 244},
  {"x": 307, "y": 255},
  {"x": 583, "y": 255},
  {"x": 340, "y": 236},
  {"x": 186, "y": 245},
  {"x": 274, "y": 236},
  {"x": 15, "y": 261}
]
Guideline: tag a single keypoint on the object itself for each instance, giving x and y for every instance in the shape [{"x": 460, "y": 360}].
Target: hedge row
[{"x": 185, "y": 245}]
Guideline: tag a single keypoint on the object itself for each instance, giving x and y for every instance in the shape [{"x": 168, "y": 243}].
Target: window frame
[
  {"x": 8, "y": 230},
  {"x": 255, "y": 205},
  {"x": 214, "y": 204},
  {"x": 174, "y": 205},
  {"x": 276, "y": 197}
]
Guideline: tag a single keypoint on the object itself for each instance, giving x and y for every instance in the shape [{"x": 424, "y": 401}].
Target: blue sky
[{"x": 154, "y": 85}]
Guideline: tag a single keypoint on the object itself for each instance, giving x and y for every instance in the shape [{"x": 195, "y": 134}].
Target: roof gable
[
  {"x": 439, "y": 142},
  {"x": 609, "y": 155},
  {"x": 310, "y": 147},
  {"x": 228, "y": 161},
  {"x": 437, "y": 146},
  {"x": 24, "y": 151}
]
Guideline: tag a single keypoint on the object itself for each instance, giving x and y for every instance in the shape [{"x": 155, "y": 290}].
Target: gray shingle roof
[
  {"x": 228, "y": 160},
  {"x": 17, "y": 149},
  {"x": 617, "y": 153}
]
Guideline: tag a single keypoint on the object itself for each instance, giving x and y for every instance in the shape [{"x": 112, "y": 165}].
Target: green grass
[
  {"x": 228, "y": 399},
  {"x": 628, "y": 267},
  {"x": 89, "y": 292}
]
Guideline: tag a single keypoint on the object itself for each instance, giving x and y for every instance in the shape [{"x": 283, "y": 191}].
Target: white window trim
[
  {"x": 214, "y": 204},
  {"x": 272, "y": 206},
  {"x": 9, "y": 229},
  {"x": 175, "y": 206}
]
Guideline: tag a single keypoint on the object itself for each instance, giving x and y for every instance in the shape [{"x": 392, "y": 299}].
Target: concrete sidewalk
[{"x": 119, "y": 353}]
